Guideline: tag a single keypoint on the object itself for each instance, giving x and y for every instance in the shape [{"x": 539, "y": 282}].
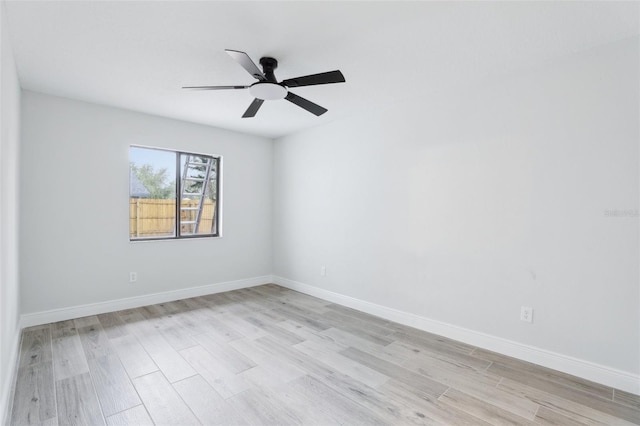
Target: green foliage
[
  {"x": 155, "y": 181},
  {"x": 197, "y": 171}
]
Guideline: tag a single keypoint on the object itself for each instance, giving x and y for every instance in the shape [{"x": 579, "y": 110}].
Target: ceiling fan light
[{"x": 268, "y": 91}]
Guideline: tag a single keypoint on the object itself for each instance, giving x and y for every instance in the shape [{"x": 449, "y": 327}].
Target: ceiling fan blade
[
  {"x": 305, "y": 104},
  {"x": 214, "y": 87},
  {"x": 313, "y": 79},
  {"x": 245, "y": 62},
  {"x": 253, "y": 108}
]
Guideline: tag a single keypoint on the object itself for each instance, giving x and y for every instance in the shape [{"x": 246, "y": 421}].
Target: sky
[{"x": 157, "y": 158}]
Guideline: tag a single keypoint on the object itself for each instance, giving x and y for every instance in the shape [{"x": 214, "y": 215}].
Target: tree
[
  {"x": 199, "y": 172},
  {"x": 155, "y": 181}
]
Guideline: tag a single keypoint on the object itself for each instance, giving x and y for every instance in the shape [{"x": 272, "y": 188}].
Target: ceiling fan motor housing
[
  {"x": 268, "y": 90},
  {"x": 268, "y": 66}
]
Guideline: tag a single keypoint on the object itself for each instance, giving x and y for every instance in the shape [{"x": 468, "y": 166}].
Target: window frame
[{"x": 217, "y": 214}]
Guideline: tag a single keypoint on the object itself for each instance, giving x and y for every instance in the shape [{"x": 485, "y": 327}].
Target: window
[{"x": 172, "y": 194}]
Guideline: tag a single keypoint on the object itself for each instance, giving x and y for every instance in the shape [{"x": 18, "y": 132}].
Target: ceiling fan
[{"x": 268, "y": 88}]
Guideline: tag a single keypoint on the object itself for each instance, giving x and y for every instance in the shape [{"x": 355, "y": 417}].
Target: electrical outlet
[
  {"x": 323, "y": 270},
  {"x": 133, "y": 277},
  {"x": 526, "y": 314}
]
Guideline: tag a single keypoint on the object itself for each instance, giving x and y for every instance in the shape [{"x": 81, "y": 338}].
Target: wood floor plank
[
  {"x": 86, "y": 321},
  {"x": 389, "y": 369},
  {"x": 429, "y": 340},
  {"x": 372, "y": 319},
  {"x": 294, "y": 357},
  {"x": 113, "y": 387},
  {"x": 335, "y": 360},
  {"x": 546, "y": 373},
  {"x": 394, "y": 411},
  {"x": 338, "y": 340},
  {"x": 339, "y": 318},
  {"x": 232, "y": 307},
  {"x": 174, "y": 307},
  {"x": 349, "y": 339},
  {"x": 409, "y": 350},
  {"x": 68, "y": 355},
  {"x": 95, "y": 342},
  {"x": 427, "y": 408},
  {"x": 295, "y": 298},
  {"x": 372, "y": 333},
  {"x": 172, "y": 365},
  {"x": 270, "y": 316},
  {"x": 222, "y": 332},
  {"x": 198, "y": 321},
  {"x": 173, "y": 332},
  {"x": 275, "y": 288},
  {"x": 196, "y": 304},
  {"x": 626, "y": 398},
  {"x": 305, "y": 333},
  {"x": 208, "y": 406},
  {"x": 481, "y": 385},
  {"x": 573, "y": 410},
  {"x": 35, "y": 346},
  {"x": 305, "y": 410},
  {"x": 177, "y": 337},
  {"x": 570, "y": 393},
  {"x": 77, "y": 401},
  {"x": 168, "y": 360},
  {"x": 313, "y": 401},
  {"x": 270, "y": 370},
  {"x": 135, "y": 360},
  {"x": 136, "y": 416},
  {"x": 152, "y": 312},
  {"x": 224, "y": 381},
  {"x": 252, "y": 302},
  {"x": 270, "y": 376},
  {"x": 216, "y": 301},
  {"x": 191, "y": 323},
  {"x": 440, "y": 347},
  {"x": 547, "y": 417},
  {"x": 451, "y": 372},
  {"x": 212, "y": 324},
  {"x": 283, "y": 335},
  {"x": 224, "y": 354},
  {"x": 267, "y": 303},
  {"x": 287, "y": 298},
  {"x": 34, "y": 399},
  {"x": 313, "y": 321},
  {"x": 263, "y": 408},
  {"x": 162, "y": 402},
  {"x": 264, "y": 297},
  {"x": 481, "y": 409},
  {"x": 112, "y": 325},
  {"x": 53, "y": 421},
  {"x": 63, "y": 329},
  {"x": 239, "y": 325}
]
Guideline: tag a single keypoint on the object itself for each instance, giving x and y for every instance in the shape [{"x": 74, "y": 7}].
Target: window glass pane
[
  {"x": 198, "y": 190},
  {"x": 152, "y": 193}
]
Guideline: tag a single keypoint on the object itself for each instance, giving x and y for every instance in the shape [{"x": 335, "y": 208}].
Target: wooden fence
[{"x": 156, "y": 217}]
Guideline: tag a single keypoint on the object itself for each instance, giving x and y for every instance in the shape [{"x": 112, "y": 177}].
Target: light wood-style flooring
[{"x": 271, "y": 356}]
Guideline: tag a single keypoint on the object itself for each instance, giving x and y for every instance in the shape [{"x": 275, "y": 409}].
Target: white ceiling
[{"x": 137, "y": 55}]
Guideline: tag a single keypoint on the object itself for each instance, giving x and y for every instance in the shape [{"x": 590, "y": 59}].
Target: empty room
[{"x": 319, "y": 213}]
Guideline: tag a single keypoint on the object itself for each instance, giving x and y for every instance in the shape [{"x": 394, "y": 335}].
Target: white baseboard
[
  {"x": 6, "y": 393},
  {"x": 608, "y": 376},
  {"x": 54, "y": 315}
]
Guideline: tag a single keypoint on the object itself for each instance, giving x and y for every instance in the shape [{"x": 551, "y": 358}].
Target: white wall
[
  {"x": 9, "y": 139},
  {"x": 74, "y": 172},
  {"x": 462, "y": 207}
]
